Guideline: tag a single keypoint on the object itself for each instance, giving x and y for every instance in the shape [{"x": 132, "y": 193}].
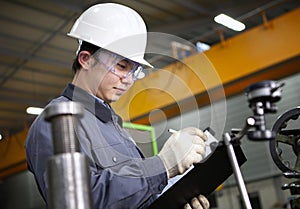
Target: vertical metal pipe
[
  {"x": 237, "y": 171},
  {"x": 64, "y": 123},
  {"x": 67, "y": 171}
]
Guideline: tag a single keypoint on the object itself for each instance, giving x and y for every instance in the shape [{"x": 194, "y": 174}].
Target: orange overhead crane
[{"x": 268, "y": 51}]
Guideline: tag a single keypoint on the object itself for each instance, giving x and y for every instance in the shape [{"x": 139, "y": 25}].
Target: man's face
[
  {"x": 111, "y": 88},
  {"x": 116, "y": 76}
]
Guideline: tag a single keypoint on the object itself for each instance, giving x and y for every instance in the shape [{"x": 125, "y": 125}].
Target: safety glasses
[{"x": 119, "y": 66}]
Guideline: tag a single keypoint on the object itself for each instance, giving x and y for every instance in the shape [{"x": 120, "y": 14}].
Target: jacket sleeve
[
  {"x": 38, "y": 147},
  {"x": 126, "y": 190}
]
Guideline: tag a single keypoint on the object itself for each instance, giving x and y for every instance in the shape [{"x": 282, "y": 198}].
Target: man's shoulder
[
  {"x": 39, "y": 123},
  {"x": 58, "y": 100}
]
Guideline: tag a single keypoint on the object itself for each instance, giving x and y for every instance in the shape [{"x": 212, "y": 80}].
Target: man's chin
[{"x": 115, "y": 98}]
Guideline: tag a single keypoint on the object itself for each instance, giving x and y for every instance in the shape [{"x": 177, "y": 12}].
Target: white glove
[
  {"x": 182, "y": 150},
  {"x": 199, "y": 202}
]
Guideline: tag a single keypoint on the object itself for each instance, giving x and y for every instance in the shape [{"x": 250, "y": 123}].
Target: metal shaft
[
  {"x": 64, "y": 121},
  {"x": 237, "y": 171},
  {"x": 67, "y": 171},
  {"x": 64, "y": 136}
]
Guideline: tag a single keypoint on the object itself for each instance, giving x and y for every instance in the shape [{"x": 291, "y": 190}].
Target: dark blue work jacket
[{"x": 120, "y": 176}]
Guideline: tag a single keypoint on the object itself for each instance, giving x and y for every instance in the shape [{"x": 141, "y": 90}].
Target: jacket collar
[{"x": 90, "y": 103}]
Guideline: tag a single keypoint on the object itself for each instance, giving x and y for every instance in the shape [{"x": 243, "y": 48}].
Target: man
[{"x": 109, "y": 59}]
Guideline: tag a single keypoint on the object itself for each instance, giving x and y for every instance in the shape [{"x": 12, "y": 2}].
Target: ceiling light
[
  {"x": 229, "y": 22},
  {"x": 34, "y": 110}
]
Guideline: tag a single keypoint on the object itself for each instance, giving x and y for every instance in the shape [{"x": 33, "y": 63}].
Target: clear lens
[
  {"x": 138, "y": 73},
  {"x": 113, "y": 64}
]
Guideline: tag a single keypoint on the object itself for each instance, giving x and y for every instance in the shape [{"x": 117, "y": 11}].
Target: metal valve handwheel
[{"x": 287, "y": 130}]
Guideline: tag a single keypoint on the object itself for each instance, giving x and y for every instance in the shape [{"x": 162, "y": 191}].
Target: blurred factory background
[{"x": 201, "y": 71}]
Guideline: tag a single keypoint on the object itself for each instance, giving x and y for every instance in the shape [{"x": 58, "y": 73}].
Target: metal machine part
[
  {"x": 287, "y": 130},
  {"x": 287, "y": 142},
  {"x": 69, "y": 182},
  {"x": 228, "y": 141},
  {"x": 64, "y": 117},
  {"x": 262, "y": 97},
  {"x": 67, "y": 170}
]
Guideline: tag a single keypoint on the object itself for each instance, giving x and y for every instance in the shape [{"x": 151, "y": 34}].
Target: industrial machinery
[
  {"x": 262, "y": 97},
  {"x": 284, "y": 138},
  {"x": 287, "y": 141},
  {"x": 67, "y": 170}
]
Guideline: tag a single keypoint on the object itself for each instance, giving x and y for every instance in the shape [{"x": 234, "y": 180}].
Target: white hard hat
[{"x": 114, "y": 27}]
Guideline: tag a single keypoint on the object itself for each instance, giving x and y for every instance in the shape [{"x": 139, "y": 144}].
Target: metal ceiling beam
[
  {"x": 26, "y": 102},
  {"x": 39, "y": 70},
  {"x": 157, "y": 7},
  {"x": 259, "y": 10},
  {"x": 9, "y": 110},
  {"x": 180, "y": 26},
  {"x": 35, "y": 8},
  {"x": 33, "y": 52},
  {"x": 193, "y": 6},
  {"x": 25, "y": 58},
  {"x": 71, "y": 6},
  {"x": 25, "y": 23},
  {"x": 29, "y": 94},
  {"x": 29, "y": 42},
  {"x": 35, "y": 82}
]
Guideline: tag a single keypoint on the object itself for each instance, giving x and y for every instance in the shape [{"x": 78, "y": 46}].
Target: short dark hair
[{"x": 85, "y": 46}]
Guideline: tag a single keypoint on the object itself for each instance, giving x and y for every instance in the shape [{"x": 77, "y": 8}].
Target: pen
[{"x": 172, "y": 130}]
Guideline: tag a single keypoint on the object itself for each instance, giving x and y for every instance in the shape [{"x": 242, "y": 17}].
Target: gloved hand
[
  {"x": 199, "y": 202},
  {"x": 182, "y": 150}
]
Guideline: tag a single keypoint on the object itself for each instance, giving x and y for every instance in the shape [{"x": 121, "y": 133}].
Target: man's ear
[{"x": 84, "y": 58}]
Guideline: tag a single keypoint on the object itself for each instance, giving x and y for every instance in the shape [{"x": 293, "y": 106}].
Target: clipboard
[{"x": 203, "y": 179}]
